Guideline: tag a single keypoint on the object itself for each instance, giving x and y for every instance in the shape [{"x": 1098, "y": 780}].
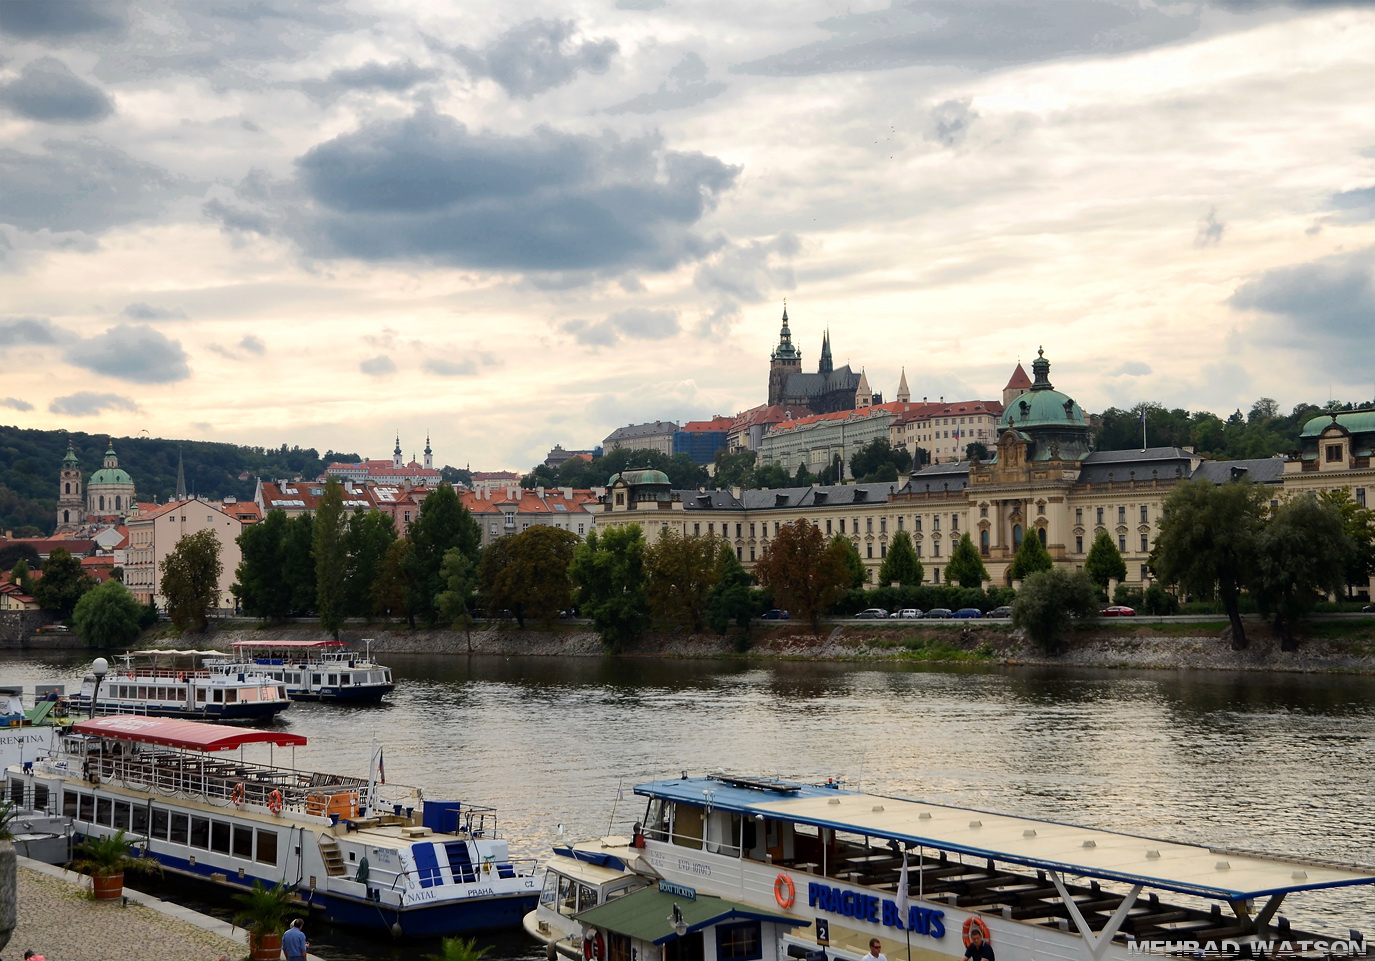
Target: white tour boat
[
  {"x": 167, "y": 683},
  {"x": 27, "y": 732},
  {"x": 317, "y": 670},
  {"x": 358, "y": 851},
  {"x": 577, "y": 878},
  {"x": 928, "y": 880}
]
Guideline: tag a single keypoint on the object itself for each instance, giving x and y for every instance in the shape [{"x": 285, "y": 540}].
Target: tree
[
  {"x": 1048, "y": 602},
  {"x": 1359, "y": 523},
  {"x": 391, "y": 592},
  {"x": 261, "y": 589},
  {"x": 734, "y": 469},
  {"x": 370, "y": 535},
  {"x": 19, "y": 575},
  {"x": 442, "y": 523},
  {"x": 455, "y": 601},
  {"x": 731, "y": 598},
  {"x": 771, "y": 477},
  {"x": 976, "y": 450},
  {"x": 806, "y": 574},
  {"x": 966, "y": 567},
  {"x": 1303, "y": 554},
  {"x": 901, "y": 565},
  {"x": 108, "y": 616},
  {"x": 298, "y": 564},
  {"x": 879, "y": 461},
  {"x": 1031, "y": 557},
  {"x": 528, "y": 572},
  {"x": 191, "y": 580},
  {"x": 1208, "y": 540},
  {"x": 803, "y": 477},
  {"x": 1104, "y": 562},
  {"x": 331, "y": 561},
  {"x": 62, "y": 584},
  {"x": 849, "y": 553},
  {"x": 609, "y": 574},
  {"x": 680, "y": 571},
  {"x": 12, "y": 553}
]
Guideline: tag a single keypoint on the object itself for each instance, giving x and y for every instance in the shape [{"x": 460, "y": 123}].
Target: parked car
[
  {"x": 776, "y": 615},
  {"x": 968, "y": 612},
  {"x": 1117, "y": 610},
  {"x": 907, "y": 612},
  {"x": 939, "y": 612},
  {"x": 1368, "y": 609},
  {"x": 872, "y": 613},
  {"x": 1003, "y": 611}
]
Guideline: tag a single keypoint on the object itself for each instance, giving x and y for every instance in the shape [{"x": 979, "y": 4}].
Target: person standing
[
  {"x": 294, "y": 944},
  {"x": 875, "y": 951}
]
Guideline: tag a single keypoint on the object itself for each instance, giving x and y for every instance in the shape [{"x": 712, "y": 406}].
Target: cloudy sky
[{"x": 323, "y": 223}]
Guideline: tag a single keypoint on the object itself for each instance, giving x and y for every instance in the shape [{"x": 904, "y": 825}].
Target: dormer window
[{"x": 1332, "y": 453}]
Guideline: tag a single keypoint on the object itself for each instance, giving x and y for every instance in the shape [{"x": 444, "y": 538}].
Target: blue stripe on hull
[
  {"x": 351, "y": 695},
  {"x": 229, "y": 712}
]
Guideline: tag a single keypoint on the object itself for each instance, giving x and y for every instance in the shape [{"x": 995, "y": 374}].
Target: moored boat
[
  {"x": 317, "y": 670},
  {"x": 167, "y": 683},
  {"x": 356, "y": 851},
  {"x": 577, "y": 878},
  {"x": 27, "y": 732},
  {"x": 928, "y": 880}
]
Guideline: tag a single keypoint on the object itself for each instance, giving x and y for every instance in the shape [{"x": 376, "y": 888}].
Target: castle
[{"x": 825, "y": 392}]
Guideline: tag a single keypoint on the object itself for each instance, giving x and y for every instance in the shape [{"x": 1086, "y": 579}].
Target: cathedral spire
[
  {"x": 826, "y": 366},
  {"x": 904, "y": 395},
  {"x": 181, "y": 477},
  {"x": 785, "y": 349}
]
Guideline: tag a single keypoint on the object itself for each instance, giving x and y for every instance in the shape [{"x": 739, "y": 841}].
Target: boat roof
[
  {"x": 641, "y": 914},
  {"x": 1051, "y": 845},
  {"x": 290, "y": 645},
  {"x": 190, "y": 652},
  {"x": 191, "y": 735}
]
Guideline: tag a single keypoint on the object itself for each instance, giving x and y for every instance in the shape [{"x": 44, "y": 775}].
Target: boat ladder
[{"x": 334, "y": 860}]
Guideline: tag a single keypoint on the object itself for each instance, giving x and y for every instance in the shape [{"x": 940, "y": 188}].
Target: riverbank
[{"x": 1340, "y": 647}]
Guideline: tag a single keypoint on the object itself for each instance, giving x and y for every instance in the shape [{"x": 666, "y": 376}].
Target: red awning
[
  {"x": 191, "y": 735},
  {"x": 289, "y": 645}
]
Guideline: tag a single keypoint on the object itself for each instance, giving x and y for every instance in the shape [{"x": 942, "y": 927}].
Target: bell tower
[
  {"x": 70, "y": 501},
  {"x": 785, "y": 360}
]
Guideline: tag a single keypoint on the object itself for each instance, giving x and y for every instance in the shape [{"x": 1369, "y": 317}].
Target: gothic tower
[
  {"x": 826, "y": 367},
  {"x": 783, "y": 362},
  {"x": 70, "y": 507},
  {"x": 863, "y": 396},
  {"x": 904, "y": 395}
]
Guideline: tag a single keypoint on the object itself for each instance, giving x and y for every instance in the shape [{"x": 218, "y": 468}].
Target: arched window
[
  {"x": 102, "y": 502},
  {"x": 1041, "y": 533},
  {"x": 68, "y": 487},
  {"x": 983, "y": 542},
  {"x": 117, "y": 501},
  {"x": 65, "y": 518},
  {"x": 1016, "y": 535}
]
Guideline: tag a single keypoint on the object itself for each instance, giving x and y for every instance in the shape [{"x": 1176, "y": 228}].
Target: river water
[{"x": 1281, "y": 762}]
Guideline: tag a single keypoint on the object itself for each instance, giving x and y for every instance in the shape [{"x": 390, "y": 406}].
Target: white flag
[{"x": 902, "y": 900}]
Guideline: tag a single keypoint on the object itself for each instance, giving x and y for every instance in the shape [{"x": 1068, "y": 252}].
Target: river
[{"x": 1284, "y": 762}]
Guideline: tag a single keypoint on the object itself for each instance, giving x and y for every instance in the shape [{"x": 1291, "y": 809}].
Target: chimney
[{"x": 539, "y": 492}]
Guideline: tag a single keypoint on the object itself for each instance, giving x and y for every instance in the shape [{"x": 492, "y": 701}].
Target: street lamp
[
  {"x": 99, "y": 667},
  {"x": 679, "y": 923}
]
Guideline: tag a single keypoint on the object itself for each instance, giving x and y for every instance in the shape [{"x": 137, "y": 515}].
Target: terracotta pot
[
  {"x": 265, "y": 947},
  {"x": 108, "y": 888}
]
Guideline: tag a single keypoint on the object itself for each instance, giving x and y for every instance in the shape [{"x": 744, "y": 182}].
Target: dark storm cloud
[
  {"x": 639, "y": 323},
  {"x": 536, "y": 56},
  {"x": 950, "y": 122},
  {"x": 81, "y": 185},
  {"x": 427, "y": 188},
  {"x": 976, "y": 35},
  {"x": 85, "y": 403},
  {"x": 142, "y": 311},
  {"x": 389, "y": 77},
  {"x": 132, "y": 352},
  {"x": 27, "y": 330},
  {"x": 48, "y": 91},
  {"x": 14, "y": 403},
  {"x": 686, "y": 86},
  {"x": 55, "y": 21},
  {"x": 1325, "y": 306}
]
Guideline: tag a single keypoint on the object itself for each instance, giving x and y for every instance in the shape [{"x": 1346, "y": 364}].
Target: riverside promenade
[{"x": 59, "y": 921}]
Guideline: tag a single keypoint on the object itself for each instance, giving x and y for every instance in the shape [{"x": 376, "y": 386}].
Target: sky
[{"x": 511, "y": 226}]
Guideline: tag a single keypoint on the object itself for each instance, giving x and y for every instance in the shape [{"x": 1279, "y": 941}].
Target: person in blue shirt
[{"x": 294, "y": 944}]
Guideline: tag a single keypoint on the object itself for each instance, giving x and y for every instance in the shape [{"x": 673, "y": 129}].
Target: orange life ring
[
  {"x": 972, "y": 923},
  {"x": 239, "y": 793},
  {"x": 784, "y": 892},
  {"x": 594, "y": 947},
  {"x": 274, "y": 802}
]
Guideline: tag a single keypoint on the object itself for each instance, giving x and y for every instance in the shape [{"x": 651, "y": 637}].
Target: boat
[
  {"x": 167, "y": 683},
  {"x": 929, "y": 879},
  {"x": 26, "y": 732},
  {"x": 317, "y": 670},
  {"x": 355, "y": 851},
  {"x": 577, "y": 878}
]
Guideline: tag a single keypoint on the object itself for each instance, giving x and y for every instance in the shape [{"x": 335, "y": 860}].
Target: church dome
[
  {"x": 110, "y": 475},
  {"x": 640, "y": 478},
  {"x": 1042, "y": 405}
]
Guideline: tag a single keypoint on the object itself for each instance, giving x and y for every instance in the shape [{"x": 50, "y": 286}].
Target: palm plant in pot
[
  {"x": 107, "y": 859},
  {"x": 262, "y": 913}
]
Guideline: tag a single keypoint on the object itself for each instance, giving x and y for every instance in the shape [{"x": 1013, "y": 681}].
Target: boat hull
[
  {"x": 361, "y": 694},
  {"x": 260, "y": 711}
]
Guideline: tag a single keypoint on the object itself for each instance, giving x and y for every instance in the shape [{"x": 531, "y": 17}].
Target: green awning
[{"x": 645, "y": 915}]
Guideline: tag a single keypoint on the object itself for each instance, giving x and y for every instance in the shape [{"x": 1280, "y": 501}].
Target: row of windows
[
  {"x": 208, "y": 834},
  {"x": 1121, "y": 543},
  {"x": 1099, "y": 512}
]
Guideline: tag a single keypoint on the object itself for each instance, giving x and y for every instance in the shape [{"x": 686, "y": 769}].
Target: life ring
[
  {"x": 239, "y": 793},
  {"x": 594, "y": 947},
  {"x": 274, "y": 802},
  {"x": 784, "y": 892},
  {"x": 971, "y": 923}
]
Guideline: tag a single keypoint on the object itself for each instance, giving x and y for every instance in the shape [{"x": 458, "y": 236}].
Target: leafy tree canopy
[
  {"x": 1048, "y": 602},
  {"x": 1304, "y": 553},
  {"x": 901, "y": 565},
  {"x": 528, "y": 572},
  {"x": 806, "y": 574},
  {"x": 879, "y": 461},
  {"x": 1104, "y": 561},
  {"x": 966, "y": 567},
  {"x": 608, "y": 570},
  {"x": 190, "y": 580},
  {"x": 1031, "y": 557},
  {"x": 847, "y": 551},
  {"x": 681, "y": 571},
  {"x": 108, "y": 616},
  {"x": 683, "y": 473},
  {"x": 62, "y": 584}
]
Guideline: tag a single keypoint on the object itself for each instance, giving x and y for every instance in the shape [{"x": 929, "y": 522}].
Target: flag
[
  {"x": 381, "y": 766},
  {"x": 902, "y": 900},
  {"x": 1143, "y": 417}
]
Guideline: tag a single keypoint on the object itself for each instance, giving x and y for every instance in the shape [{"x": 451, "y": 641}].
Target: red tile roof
[
  {"x": 717, "y": 423},
  {"x": 1019, "y": 379}
]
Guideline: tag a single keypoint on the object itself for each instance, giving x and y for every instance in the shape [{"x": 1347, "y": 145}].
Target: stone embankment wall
[
  {"x": 17, "y": 631},
  {"x": 1124, "y": 646}
]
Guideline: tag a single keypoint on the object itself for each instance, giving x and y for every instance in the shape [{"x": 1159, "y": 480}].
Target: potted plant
[
  {"x": 262, "y": 914},
  {"x": 107, "y": 859}
]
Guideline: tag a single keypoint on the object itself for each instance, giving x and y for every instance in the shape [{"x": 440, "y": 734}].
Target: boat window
[
  {"x": 550, "y": 894},
  {"x": 656, "y": 820},
  {"x": 687, "y": 826},
  {"x": 142, "y": 693},
  {"x": 40, "y": 797},
  {"x": 140, "y": 822},
  {"x": 121, "y": 815},
  {"x": 568, "y": 897},
  {"x": 587, "y": 897},
  {"x": 231, "y": 696},
  {"x": 16, "y": 792},
  {"x": 200, "y": 833},
  {"x": 69, "y": 799},
  {"x": 104, "y": 811},
  {"x": 219, "y": 836},
  {"x": 181, "y": 824},
  {"x": 723, "y": 833},
  {"x": 200, "y": 695},
  {"x": 160, "y": 823},
  {"x": 87, "y": 809},
  {"x": 333, "y": 680},
  {"x": 243, "y": 842},
  {"x": 267, "y": 846},
  {"x": 739, "y": 942},
  {"x": 346, "y": 679},
  {"x": 315, "y": 679},
  {"x": 618, "y": 947}
]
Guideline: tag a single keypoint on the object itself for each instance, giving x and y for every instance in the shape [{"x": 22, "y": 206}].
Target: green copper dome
[
  {"x": 110, "y": 475},
  {"x": 1355, "y": 421},
  {"x": 1043, "y": 405},
  {"x": 640, "y": 478}
]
